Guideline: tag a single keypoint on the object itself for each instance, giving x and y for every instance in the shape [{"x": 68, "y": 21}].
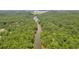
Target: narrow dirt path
[{"x": 37, "y": 41}]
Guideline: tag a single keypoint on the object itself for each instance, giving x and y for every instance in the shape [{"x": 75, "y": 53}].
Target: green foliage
[
  {"x": 19, "y": 30},
  {"x": 60, "y": 30}
]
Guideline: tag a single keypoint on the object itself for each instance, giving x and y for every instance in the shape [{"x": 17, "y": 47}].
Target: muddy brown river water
[{"x": 37, "y": 40}]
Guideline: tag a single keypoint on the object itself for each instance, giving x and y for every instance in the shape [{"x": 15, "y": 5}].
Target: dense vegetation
[
  {"x": 16, "y": 30},
  {"x": 60, "y": 29}
]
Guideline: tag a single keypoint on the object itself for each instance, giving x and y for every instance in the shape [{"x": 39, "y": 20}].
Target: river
[{"x": 37, "y": 40}]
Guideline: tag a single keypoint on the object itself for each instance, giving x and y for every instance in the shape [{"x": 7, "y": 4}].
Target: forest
[
  {"x": 60, "y": 29},
  {"x": 16, "y": 29}
]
